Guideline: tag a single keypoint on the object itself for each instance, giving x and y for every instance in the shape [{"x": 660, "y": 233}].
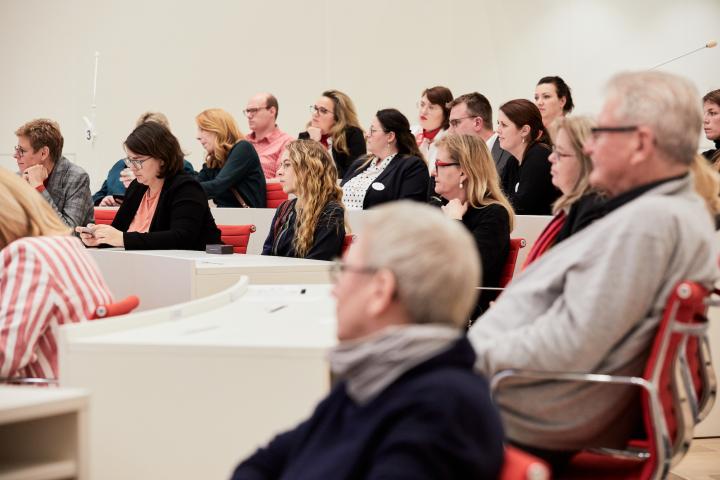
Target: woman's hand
[
  {"x": 100, "y": 234},
  {"x": 454, "y": 209},
  {"x": 315, "y": 133},
  {"x": 109, "y": 201},
  {"x": 127, "y": 176}
]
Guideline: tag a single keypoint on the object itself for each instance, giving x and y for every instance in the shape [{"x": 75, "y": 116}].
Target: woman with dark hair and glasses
[
  {"x": 393, "y": 170},
  {"x": 434, "y": 116},
  {"x": 334, "y": 123},
  {"x": 164, "y": 207},
  {"x": 526, "y": 179},
  {"x": 553, "y": 99}
]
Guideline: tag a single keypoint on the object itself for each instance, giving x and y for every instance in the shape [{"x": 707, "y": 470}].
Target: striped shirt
[{"x": 45, "y": 282}]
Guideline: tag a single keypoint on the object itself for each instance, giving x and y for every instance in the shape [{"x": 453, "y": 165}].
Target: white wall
[{"x": 180, "y": 57}]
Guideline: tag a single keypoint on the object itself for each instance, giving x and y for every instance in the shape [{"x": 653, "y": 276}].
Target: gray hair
[
  {"x": 434, "y": 260},
  {"x": 669, "y": 104}
]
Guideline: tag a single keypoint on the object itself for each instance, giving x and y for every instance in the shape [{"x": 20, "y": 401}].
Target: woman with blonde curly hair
[
  {"x": 466, "y": 178},
  {"x": 231, "y": 175},
  {"x": 312, "y": 225},
  {"x": 47, "y": 279},
  {"x": 334, "y": 123}
]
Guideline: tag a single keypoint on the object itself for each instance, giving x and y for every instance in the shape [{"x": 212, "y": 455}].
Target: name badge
[{"x": 378, "y": 186}]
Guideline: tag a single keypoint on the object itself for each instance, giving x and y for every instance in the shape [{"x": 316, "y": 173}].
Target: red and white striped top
[{"x": 44, "y": 282}]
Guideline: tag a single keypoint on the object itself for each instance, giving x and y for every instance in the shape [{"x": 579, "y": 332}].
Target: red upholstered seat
[
  {"x": 104, "y": 216},
  {"x": 122, "y": 307},
  {"x": 509, "y": 270},
  {"x": 274, "y": 195},
  {"x": 236, "y": 235},
  {"x": 349, "y": 239},
  {"x": 521, "y": 465}
]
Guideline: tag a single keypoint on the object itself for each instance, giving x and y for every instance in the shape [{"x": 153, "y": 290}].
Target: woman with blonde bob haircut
[
  {"x": 466, "y": 177},
  {"x": 231, "y": 175},
  {"x": 334, "y": 123},
  {"x": 312, "y": 225},
  {"x": 47, "y": 279},
  {"x": 579, "y": 205}
]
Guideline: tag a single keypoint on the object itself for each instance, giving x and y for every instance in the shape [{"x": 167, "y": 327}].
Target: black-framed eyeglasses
[
  {"x": 596, "y": 131},
  {"x": 138, "y": 164},
  {"x": 457, "y": 121},
  {"x": 319, "y": 110},
  {"x": 248, "y": 112},
  {"x": 339, "y": 266},
  {"x": 20, "y": 151}
]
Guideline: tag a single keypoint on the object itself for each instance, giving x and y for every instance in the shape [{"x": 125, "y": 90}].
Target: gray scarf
[{"x": 372, "y": 363}]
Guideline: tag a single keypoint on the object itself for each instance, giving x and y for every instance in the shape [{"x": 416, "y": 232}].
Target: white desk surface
[{"x": 19, "y": 403}]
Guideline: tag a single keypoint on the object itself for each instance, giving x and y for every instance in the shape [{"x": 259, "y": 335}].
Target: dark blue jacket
[
  {"x": 437, "y": 421},
  {"x": 113, "y": 186}
]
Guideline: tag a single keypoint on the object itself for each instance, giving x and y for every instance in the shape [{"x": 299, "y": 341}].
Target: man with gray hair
[
  {"x": 407, "y": 404},
  {"x": 592, "y": 303}
]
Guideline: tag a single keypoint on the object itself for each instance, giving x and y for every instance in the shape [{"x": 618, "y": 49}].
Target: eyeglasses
[
  {"x": 596, "y": 131},
  {"x": 20, "y": 151},
  {"x": 249, "y": 112},
  {"x": 138, "y": 164},
  {"x": 561, "y": 155},
  {"x": 457, "y": 121},
  {"x": 444, "y": 164},
  {"x": 372, "y": 130},
  {"x": 319, "y": 110},
  {"x": 338, "y": 267}
]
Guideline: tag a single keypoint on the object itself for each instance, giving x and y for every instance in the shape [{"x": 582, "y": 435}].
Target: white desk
[
  {"x": 167, "y": 277},
  {"x": 43, "y": 433},
  {"x": 189, "y": 398}
]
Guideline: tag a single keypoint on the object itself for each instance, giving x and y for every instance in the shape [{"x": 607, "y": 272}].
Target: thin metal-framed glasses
[
  {"x": 338, "y": 267},
  {"x": 457, "y": 121},
  {"x": 20, "y": 151}
]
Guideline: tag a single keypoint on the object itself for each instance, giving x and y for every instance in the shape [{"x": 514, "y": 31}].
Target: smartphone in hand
[{"x": 88, "y": 230}]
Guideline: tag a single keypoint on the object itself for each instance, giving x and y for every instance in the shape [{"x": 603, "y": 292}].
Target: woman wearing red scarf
[{"x": 434, "y": 116}]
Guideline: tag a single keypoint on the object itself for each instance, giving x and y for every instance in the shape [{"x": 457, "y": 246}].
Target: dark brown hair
[
  {"x": 523, "y": 112},
  {"x": 562, "y": 90},
  {"x": 440, "y": 96},
  {"x": 476, "y": 104},
  {"x": 154, "y": 140},
  {"x": 43, "y": 132}
]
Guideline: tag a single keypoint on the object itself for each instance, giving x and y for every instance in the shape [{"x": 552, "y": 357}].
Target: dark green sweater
[{"x": 241, "y": 171}]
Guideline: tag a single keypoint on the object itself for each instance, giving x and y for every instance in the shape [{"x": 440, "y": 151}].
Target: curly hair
[
  {"x": 227, "y": 134},
  {"x": 315, "y": 185}
]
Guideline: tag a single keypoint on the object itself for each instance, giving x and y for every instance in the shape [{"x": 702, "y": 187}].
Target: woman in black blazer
[
  {"x": 526, "y": 179},
  {"x": 335, "y": 124},
  {"x": 164, "y": 208},
  {"x": 467, "y": 180},
  {"x": 394, "y": 170}
]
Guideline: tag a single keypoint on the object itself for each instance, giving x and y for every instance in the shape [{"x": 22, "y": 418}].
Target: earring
[{"x": 461, "y": 185}]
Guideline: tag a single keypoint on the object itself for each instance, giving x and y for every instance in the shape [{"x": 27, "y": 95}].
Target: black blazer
[
  {"x": 356, "y": 146},
  {"x": 182, "y": 219},
  {"x": 406, "y": 177},
  {"x": 529, "y": 186}
]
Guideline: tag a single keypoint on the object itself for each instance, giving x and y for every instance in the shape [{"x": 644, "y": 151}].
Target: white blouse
[{"x": 355, "y": 189}]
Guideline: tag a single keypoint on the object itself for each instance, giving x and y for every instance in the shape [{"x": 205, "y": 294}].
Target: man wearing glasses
[
  {"x": 471, "y": 114},
  {"x": 64, "y": 185},
  {"x": 592, "y": 303},
  {"x": 269, "y": 141}
]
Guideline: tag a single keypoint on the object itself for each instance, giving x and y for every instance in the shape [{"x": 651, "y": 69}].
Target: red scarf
[
  {"x": 324, "y": 141},
  {"x": 431, "y": 134},
  {"x": 546, "y": 239}
]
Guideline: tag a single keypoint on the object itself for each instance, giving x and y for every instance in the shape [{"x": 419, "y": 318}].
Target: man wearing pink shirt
[{"x": 269, "y": 141}]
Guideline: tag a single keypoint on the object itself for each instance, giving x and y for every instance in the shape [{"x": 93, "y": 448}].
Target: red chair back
[
  {"x": 236, "y": 235},
  {"x": 519, "y": 465},
  {"x": 668, "y": 417},
  {"x": 349, "y": 239},
  {"x": 122, "y": 307},
  {"x": 274, "y": 195},
  {"x": 104, "y": 216},
  {"x": 509, "y": 269}
]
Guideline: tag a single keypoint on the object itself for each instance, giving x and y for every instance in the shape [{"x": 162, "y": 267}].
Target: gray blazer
[
  {"x": 500, "y": 156},
  {"x": 68, "y": 193}
]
